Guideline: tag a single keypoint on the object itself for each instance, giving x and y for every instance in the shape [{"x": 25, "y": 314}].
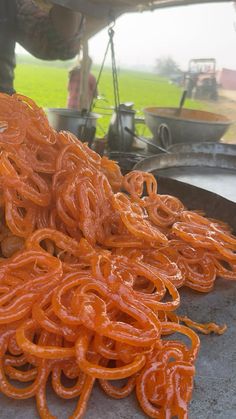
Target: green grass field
[{"x": 46, "y": 83}]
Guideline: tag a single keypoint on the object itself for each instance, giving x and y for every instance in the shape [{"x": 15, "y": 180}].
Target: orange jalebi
[{"x": 91, "y": 263}]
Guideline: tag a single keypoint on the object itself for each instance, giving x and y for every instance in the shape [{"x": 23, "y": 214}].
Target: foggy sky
[
  {"x": 197, "y": 31},
  {"x": 181, "y": 32}
]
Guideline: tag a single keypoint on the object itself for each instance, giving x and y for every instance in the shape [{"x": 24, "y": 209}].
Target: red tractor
[{"x": 200, "y": 79}]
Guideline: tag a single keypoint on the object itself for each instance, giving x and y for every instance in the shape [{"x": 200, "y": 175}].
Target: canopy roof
[
  {"x": 105, "y": 8},
  {"x": 99, "y": 13}
]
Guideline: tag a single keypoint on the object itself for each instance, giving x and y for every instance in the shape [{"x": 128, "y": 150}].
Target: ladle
[
  {"x": 152, "y": 144},
  {"x": 181, "y": 103}
]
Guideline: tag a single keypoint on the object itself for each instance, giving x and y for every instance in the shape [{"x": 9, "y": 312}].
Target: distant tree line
[{"x": 166, "y": 66}]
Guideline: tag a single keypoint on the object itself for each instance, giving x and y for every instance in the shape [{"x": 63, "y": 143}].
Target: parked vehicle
[{"x": 200, "y": 79}]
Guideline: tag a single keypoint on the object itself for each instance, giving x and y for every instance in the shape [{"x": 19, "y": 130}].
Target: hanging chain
[
  {"x": 110, "y": 44},
  {"x": 99, "y": 75},
  {"x": 114, "y": 70},
  {"x": 116, "y": 91}
]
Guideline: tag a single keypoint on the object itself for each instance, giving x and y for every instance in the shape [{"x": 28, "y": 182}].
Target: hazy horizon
[{"x": 207, "y": 30}]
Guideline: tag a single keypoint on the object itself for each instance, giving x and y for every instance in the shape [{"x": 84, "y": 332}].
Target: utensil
[
  {"x": 204, "y": 147},
  {"x": 119, "y": 138},
  {"x": 157, "y": 147},
  {"x": 213, "y": 172},
  {"x": 81, "y": 124},
  {"x": 181, "y": 103},
  {"x": 190, "y": 126}
]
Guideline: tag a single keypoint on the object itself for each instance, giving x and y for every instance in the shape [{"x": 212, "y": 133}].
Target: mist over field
[{"x": 196, "y": 31}]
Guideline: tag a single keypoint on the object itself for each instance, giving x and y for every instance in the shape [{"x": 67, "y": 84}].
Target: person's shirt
[
  {"x": 74, "y": 89},
  {"x": 31, "y": 27}
]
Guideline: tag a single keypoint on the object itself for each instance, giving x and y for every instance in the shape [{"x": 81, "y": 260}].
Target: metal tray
[
  {"x": 213, "y": 172},
  {"x": 214, "y": 395},
  {"x": 204, "y": 147}
]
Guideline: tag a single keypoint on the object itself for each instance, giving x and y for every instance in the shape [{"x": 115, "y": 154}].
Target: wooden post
[{"x": 85, "y": 69}]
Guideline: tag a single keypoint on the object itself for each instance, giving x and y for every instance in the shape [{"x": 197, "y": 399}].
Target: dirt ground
[{"x": 226, "y": 105}]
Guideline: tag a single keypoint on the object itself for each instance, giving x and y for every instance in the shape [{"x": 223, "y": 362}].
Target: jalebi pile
[{"x": 91, "y": 263}]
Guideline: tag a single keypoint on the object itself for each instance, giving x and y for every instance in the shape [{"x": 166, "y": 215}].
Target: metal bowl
[
  {"x": 81, "y": 124},
  {"x": 188, "y": 127}
]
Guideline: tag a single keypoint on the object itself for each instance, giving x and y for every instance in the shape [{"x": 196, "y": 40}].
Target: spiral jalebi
[{"x": 91, "y": 263}]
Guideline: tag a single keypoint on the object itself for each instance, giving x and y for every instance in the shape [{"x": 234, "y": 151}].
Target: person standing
[{"x": 75, "y": 85}]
